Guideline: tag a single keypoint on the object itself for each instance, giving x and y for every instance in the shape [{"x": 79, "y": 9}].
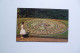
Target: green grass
[
  {"x": 63, "y": 35},
  {"x": 18, "y": 32}
]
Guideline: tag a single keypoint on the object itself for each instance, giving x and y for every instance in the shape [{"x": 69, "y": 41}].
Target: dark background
[{"x": 42, "y": 13}]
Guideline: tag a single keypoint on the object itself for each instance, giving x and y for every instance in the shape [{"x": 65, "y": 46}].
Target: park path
[{"x": 37, "y": 39}]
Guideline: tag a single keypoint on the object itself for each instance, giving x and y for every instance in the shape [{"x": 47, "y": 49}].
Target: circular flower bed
[{"x": 44, "y": 27}]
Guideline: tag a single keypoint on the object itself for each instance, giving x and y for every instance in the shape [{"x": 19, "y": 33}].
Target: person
[{"x": 22, "y": 31}]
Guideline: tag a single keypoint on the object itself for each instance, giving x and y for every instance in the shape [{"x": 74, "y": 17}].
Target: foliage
[{"x": 42, "y": 13}]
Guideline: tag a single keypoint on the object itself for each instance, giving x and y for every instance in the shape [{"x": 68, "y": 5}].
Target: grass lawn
[{"x": 62, "y": 35}]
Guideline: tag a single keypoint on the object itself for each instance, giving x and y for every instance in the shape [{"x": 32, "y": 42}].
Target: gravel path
[{"x": 37, "y": 39}]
